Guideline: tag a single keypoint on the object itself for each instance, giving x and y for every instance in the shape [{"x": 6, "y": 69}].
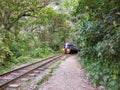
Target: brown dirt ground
[{"x": 68, "y": 76}]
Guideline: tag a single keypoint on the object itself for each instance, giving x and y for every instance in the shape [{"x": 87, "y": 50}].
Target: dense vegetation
[
  {"x": 34, "y": 29},
  {"x": 30, "y": 29},
  {"x": 98, "y": 33}
]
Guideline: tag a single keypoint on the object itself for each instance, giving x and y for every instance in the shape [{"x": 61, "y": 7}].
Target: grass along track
[{"x": 9, "y": 77}]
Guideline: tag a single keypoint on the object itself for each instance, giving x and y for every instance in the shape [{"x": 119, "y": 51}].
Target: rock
[
  {"x": 101, "y": 88},
  {"x": 24, "y": 79},
  {"x": 31, "y": 75},
  {"x": 14, "y": 85}
]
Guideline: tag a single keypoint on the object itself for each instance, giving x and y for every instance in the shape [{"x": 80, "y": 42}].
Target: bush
[
  {"x": 21, "y": 60},
  {"x": 41, "y": 52},
  {"x": 5, "y": 55},
  {"x": 102, "y": 72},
  {"x": 6, "y": 66},
  {"x": 99, "y": 41},
  {"x": 19, "y": 48}
]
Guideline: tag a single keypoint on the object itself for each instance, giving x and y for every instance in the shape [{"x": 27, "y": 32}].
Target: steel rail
[
  {"x": 51, "y": 59},
  {"x": 1, "y": 75}
]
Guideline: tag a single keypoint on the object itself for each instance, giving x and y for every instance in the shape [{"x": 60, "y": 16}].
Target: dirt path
[{"x": 68, "y": 76}]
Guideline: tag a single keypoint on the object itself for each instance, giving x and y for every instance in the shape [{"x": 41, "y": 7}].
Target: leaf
[
  {"x": 112, "y": 83},
  {"x": 96, "y": 76},
  {"x": 105, "y": 78}
]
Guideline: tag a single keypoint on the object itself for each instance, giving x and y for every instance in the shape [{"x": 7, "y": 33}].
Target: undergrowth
[
  {"x": 7, "y": 66},
  {"x": 102, "y": 72}
]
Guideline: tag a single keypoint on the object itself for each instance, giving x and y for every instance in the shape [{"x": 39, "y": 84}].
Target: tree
[
  {"x": 98, "y": 27},
  {"x": 11, "y": 11}
]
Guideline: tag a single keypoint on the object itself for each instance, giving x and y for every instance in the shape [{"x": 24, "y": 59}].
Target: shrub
[
  {"x": 41, "y": 52},
  {"x": 5, "y": 55}
]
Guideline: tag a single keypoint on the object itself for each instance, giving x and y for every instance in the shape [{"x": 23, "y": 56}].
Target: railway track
[{"x": 12, "y": 76}]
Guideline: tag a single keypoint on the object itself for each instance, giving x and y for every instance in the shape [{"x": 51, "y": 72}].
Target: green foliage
[
  {"x": 30, "y": 29},
  {"x": 8, "y": 65},
  {"x": 70, "y": 4},
  {"x": 5, "y": 55},
  {"x": 12, "y": 11},
  {"x": 104, "y": 73},
  {"x": 17, "y": 49},
  {"x": 23, "y": 46},
  {"x": 98, "y": 27},
  {"x": 41, "y": 52},
  {"x": 22, "y": 60}
]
